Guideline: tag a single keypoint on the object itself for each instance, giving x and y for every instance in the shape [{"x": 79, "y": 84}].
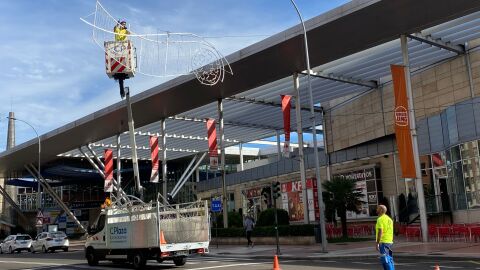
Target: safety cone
[
  {"x": 162, "y": 239},
  {"x": 436, "y": 267},
  {"x": 276, "y": 265}
]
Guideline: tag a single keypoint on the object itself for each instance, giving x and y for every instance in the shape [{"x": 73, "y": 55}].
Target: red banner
[
  {"x": 108, "y": 184},
  {"x": 402, "y": 122},
  {"x": 286, "y": 106},
  {"x": 212, "y": 143},
  {"x": 154, "y": 155}
]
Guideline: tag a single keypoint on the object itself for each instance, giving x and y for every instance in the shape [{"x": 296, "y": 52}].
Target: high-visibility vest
[{"x": 120, "y": 34}]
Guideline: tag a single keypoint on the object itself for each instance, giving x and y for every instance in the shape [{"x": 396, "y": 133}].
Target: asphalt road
[{"x": 74, "y": 261}]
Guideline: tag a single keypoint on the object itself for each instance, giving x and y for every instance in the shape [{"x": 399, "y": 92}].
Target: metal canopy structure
[{"x": 351, "y": 47}]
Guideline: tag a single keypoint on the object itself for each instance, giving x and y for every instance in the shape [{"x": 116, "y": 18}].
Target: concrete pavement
[{"x": 436, "y": 250}]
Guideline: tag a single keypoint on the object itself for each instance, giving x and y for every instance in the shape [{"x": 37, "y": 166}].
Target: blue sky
[{"x": 53, "y": 73}]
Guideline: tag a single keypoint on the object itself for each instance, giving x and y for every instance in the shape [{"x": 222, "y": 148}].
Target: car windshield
[
  {"x": 58, "y": 234},
  {"x": 24, "y": 237}
]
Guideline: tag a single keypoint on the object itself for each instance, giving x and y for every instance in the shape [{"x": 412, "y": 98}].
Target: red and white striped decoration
[
  {"x": 286, "y": 106},
  {"x": 154, "y": 154},
  {"x": 212, "y": 143},
  {"x": 108, "y": 184},
  {"x": 118, "y": 65}
]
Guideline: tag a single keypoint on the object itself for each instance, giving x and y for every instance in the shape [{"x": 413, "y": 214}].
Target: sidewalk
[{"x": 442, "y": 250}]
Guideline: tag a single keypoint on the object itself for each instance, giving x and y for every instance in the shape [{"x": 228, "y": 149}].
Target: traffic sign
[
  {"x": 39, "y": 222},
  {"x": 216, "y": 205}
]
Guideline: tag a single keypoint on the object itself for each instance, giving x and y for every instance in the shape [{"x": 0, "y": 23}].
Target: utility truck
[{"x": 135, "y": 232}]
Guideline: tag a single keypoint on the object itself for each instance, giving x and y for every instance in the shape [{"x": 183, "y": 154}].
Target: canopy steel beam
[
  {"x": 12, "y": 202},
  {"x": 458, "y": 49},
  {"x": 178, "y": 136},
  {"x": 31, "y": 169},
  {"x": 369, "y": 84},
  {"x": 227, "y": 123},
  {"x": 263, "y": 102},
  {"x": 116, "y": 185},
  {"x": 183, "y": 175},
  {"x": 184, "y": 180},
  {"x": 144, "y": 148}
]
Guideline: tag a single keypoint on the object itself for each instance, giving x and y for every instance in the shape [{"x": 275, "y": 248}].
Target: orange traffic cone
[
  {"x": 436, "y": 267},
  {"x": 276, "y": 265},
  {"x": 162, "y": 239}
]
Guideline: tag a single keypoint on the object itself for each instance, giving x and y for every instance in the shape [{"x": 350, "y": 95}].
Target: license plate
[
  {"x": 58, "y": 240},
  {"x": 182, "y": 252},
  {"x": 23, "y": 242}
]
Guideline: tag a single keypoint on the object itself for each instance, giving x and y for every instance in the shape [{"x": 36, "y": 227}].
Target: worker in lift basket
[{"x": 121, "y": 31}]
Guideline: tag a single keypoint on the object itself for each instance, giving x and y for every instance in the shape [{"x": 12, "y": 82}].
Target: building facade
[{"x": 361, "y": 145}]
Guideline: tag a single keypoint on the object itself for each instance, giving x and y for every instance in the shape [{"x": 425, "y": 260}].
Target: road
[{"x": 74, "y": 260}]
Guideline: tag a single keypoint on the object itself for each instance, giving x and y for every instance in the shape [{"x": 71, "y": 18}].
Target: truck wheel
[
  {"x": 180, "y": 261},
  {"x": 91, "y": 258},
  {"x": 139, "y": 261}
]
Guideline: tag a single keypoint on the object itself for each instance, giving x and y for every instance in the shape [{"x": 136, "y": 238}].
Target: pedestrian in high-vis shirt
[{"x": 384, "y": 237}]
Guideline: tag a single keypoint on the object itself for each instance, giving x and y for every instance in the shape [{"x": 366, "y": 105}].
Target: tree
[{"x": 342, "y": 196}]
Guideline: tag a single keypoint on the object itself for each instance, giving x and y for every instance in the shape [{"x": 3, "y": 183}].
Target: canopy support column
[
  {"x": 298, "y": 116},
  {"x": 413, "y": 131},
  {"x": 222, "y": 161},
  {"x": 164, "y": 159}
]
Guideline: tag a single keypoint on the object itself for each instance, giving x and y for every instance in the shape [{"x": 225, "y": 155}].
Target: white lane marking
[
  {"x": 34, "y": 263},
  {"x": 449, "y": 267},
  {"x": 225, "y": 266}
]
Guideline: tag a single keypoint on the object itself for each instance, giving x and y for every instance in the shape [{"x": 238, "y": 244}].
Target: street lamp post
[
  {"x": 39, "y": 196},
  {"x": 314, "y": 133}
]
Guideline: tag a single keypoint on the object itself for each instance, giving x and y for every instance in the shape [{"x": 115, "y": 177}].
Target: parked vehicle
[
  {"x": 16, "y": 243},
  {"x": 50, "y": 241},
  {"x": 140, "y": 231}
]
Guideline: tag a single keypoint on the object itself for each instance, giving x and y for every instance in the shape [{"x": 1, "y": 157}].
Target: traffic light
[
  {"x": 266, "y": 193},
  {"x": 276, "y": 190}
]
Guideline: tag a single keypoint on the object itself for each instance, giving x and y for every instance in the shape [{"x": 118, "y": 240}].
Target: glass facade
[{"x": 451, "y": 178}]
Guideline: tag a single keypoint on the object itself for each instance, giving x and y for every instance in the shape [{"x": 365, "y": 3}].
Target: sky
[{"x": 53, "y": 73}]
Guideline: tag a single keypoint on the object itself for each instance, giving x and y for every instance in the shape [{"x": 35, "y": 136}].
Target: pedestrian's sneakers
[{"x": 252, "y": 244}]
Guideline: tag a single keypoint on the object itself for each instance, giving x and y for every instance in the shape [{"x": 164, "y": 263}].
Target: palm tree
[{"x": 341, "y": 195}]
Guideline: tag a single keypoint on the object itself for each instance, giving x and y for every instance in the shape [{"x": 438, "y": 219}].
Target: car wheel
[
  {"x": 10, "y": 250},
  {"x": 180, "y": 261},
  {"x": 44, "y": 249},
  {"x": 139, "y": 261},
  {"x": 91, "y": 258},
  {"x": 32, "y": 250}
]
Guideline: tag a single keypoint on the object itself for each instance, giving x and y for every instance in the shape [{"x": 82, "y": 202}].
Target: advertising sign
[
  {"x": 366, "y": 182},
  {"x": 292, "y": 200}
]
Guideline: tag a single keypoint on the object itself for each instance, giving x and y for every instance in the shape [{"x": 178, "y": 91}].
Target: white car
[
  {"x": 50, "y": 241},
  {"x": 16, "y": 243}
]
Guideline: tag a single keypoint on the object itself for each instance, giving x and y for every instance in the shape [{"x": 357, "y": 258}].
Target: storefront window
[
  {"x": 454, "y": 154},
  {"x": 456, "y": 174}
]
